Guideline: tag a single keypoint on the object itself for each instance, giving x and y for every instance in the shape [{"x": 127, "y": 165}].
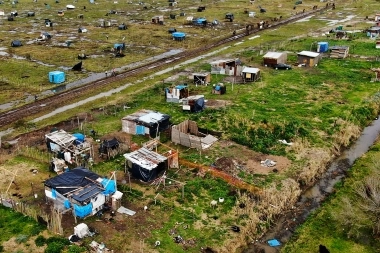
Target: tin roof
[
  {"x": 274, "y": 55},
  {"x": 145, "y": 158},
  {"x": 308, "y": 53},
  {"x": 250, "y": 70}
]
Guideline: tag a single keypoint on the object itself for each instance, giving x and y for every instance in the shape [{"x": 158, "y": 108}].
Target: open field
[{"x": 321, "y": 110}]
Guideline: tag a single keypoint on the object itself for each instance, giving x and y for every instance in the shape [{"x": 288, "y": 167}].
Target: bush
[
  {"x": 21, "y": 238},
  {"x": 40, "y": 241},
  {"x": 54, "y": 247},
  {"x": 76, "y": 249}
]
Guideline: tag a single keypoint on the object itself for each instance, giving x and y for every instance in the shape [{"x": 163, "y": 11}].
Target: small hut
[
  {"x": 30, "y": 14},
  {"x": 172, "y": 30},
  {"x": 219, "y": 89},
  {"x": 122, "y": 27},
  {"x": 308, "y": 58},
  {"x": 202, "y": 78},
  {"x": 250, "y": 74},
  {"x": 179, "y": 36},
  {"x": 274, "y": 58},
  {"x": 229, "y": 16},
  {"x": 82, "y": 30},
  {"x": 176, "y": 93},
  {"x": 339, "y": 52},
  {"x": 193, "y": 103},
  {"x": 16, "y": 43},
  {"x": 56, "y": 76},
  {"x": 158, "y": 19}
]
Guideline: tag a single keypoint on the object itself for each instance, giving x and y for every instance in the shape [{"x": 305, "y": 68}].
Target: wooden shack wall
[
  {"x": 185, "y": 134},
  {"x": 128, "y": 126}
]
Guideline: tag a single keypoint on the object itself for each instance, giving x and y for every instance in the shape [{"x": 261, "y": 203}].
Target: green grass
[{"x": 13, "y": 223}]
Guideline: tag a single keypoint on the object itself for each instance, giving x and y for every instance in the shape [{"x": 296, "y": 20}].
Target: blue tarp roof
[
  {"x": 178, "y": 34},
  {"x": 180, "y": 87}
]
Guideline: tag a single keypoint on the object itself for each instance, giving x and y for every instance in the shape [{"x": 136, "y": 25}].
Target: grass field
[{"x": 320, "y": 110}]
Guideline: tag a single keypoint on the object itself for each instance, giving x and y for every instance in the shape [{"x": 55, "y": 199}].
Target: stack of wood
[{"x": 339, "y": 51}]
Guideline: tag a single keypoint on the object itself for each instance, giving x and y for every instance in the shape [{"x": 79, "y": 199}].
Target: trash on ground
[
  {"x": 268, "y": 163},
  {"x": 274, "y": 243},
  {"x": 285, "y": 142},
  {"x": 124, "y": 210}
]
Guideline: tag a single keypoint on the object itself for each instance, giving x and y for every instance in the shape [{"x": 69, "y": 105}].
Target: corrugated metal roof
[
  {"x": 308, "y": 53},
  {"x": 274, "y": 55},
  {"x": 250, "y": 70},
  {"x": 145, "y": 158}
]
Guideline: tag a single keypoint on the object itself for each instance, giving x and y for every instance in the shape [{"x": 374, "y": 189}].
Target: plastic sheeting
[
  {"x": 67, "y": 204},
  {"x": 83, "y": 211},
  {"x": 109, "y": 185},
  {"x": 53, "y": 194}
]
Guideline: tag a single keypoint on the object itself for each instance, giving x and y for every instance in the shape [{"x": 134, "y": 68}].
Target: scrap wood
[{"x": 221, "y": 174}]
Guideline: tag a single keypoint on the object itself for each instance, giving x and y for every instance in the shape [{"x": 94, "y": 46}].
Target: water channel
[{"x": 312, "y": 198}]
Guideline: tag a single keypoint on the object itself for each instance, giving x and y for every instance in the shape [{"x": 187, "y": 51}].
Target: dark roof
[
  {"x": 74, "y": 179},
  {"x": 87, "y": 193},
  {"x": 110, "y": 143}
]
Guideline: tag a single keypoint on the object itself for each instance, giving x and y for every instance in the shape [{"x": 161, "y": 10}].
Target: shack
[
  {"x": 202, "y": 78},
  {"x": 145, "y": 122},
  {"x": 176, "y": 93},
  {"x": 308, "y": 58},
  {"x": 373, "y": 32},
  {"x": 339, "y": 52},
  {"x": 16, "y": 43},
  {"x": 146, "y": 165},
  {"x": 199, "y": 21},
  {"x": 158, "y": 20},
  {"x": 250, "y": 74},
  {"x": 187, "y": 134},
  {"x": 80, "y": 190},
  {"x": 273, "y": 58},
  {"x": 231, "y": 67},
  {"x": 193, "y": 103},
  {"x": 73, "y": 148},
  {"x": 179, "y": 36},
  {"x": 122, "y": 27},
  {"x": 219, "y": 89},
  {"x": 82, "y": 30},
  {"x": 56, "y": 76}
]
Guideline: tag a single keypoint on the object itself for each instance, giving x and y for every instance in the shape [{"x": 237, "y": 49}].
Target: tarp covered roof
[
  {"x": 147, "y": 117},
  {"x": 250, "y": 70},
  {"x": 73, "y": 179}
]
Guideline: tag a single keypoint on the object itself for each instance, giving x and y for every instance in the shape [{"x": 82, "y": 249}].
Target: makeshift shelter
[
  {"x": 189, "y": 20},
  {"x": 158, "y": 19},
  {"x": 70, "y": 147},
  {"x": 122, "y": 27},
  {"x": 340, "y": 52},
  {"x": 145, "y": 122},
  {"x": 77, "y": 67},
  {"x": 250, "y": 74},
  {"x": 308, "y": 58},
  {"x": 176, "y": 93},
  {"x": 172, "y": 30},
  {"x": 200, "y": 21},
  {"x": 219, "y": 89},
  {"x": 2, "y": 13},
  {"x": 82, "y": 30},
  {"x": 229, "y": 16},
  {"x": 322, "y": 47},
  {"x": 11, "y": 18},
  {"x": 193, "y": 103},
  {"x": 30, "y": 14},
  {"x": 61, "y": 13},
  {"x": 231, "y": 67},
  {"x": 146, "y": 165},
  {"x": 273, "y": 58},
  {"x": 16, "y": 43},
  {"x": 373, "y": 32},
  {"x": 119, "y": 46},
  {"x": 80, "y": 190},
  {"x": 58, "y": 165},
  {"x": 202, "y": 78},
  {"x": 81, "y": 230},
  {"x": 179, "y": 36},
  {"x": 70, "y": 7},
  {"x": 187, "y": 134},
  {"x": 109, "y": 147},
  {"x": 56, "y": 76},
  {"x": 45, "y": 36}
]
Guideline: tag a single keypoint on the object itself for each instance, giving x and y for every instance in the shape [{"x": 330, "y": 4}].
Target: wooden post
[{"x": 183, "y": 190}]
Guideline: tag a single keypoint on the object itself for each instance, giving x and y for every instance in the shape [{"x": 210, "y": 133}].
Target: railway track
[{"x": 59, "y": 99}]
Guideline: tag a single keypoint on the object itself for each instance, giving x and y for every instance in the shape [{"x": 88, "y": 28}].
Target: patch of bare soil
[
  {"x": 241, "y": 158},
  {"x": 215, "y": 103}
]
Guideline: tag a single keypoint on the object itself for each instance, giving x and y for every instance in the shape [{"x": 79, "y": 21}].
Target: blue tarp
[
  {"x": 79, "y": 138},
  {"x": 140, "y": 130},
  {"x": 56, "y": 77},
  {"x": 217, "y": 87},
  {"x": 83, "y": 211},
  {"x": 180, "y": 87},
  {"x": 66, "y": 204},
  {"x": 109, "y": 185},
  {"x": 53, "y": 194},
  {"x": 274, "y": 243}
]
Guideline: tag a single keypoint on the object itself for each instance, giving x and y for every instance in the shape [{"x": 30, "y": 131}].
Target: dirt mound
[{"x": 215, "y": 103}]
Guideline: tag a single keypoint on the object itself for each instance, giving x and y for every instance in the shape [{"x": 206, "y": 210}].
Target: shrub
[
  {"x": 76, "y": 249},
  {"x": 40, "y": 241},
  {"x": 21, "y": 238},
  {"x": 54, "y": 247}
]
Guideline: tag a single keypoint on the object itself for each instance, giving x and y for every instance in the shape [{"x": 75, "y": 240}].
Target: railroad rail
[{"x": 59, "y": 99}]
